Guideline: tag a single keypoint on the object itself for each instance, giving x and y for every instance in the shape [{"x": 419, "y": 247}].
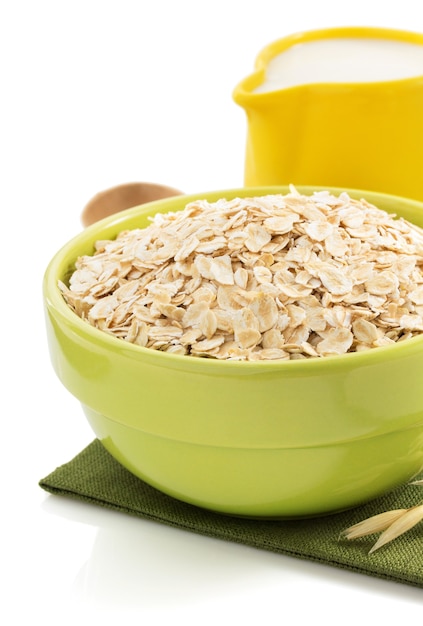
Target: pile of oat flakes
[{"x": 272, "y": 277}]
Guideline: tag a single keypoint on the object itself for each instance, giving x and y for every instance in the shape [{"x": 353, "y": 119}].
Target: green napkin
[{"x": 95, "y": 476}]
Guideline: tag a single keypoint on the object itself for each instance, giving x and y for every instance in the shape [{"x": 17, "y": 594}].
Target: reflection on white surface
[
  {"x": 146, "y": 567},
  {"x": 137, "y": 563}
]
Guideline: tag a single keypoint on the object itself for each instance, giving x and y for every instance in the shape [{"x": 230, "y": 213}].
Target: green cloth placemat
[{"x": 95, "y": 476}]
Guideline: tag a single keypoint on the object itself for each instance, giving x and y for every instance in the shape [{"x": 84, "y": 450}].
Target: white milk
[{"x": 343, "y": 60}]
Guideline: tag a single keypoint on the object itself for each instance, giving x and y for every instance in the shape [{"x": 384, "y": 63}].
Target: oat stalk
[
  {"x": 391, "y": 524},
  {"x": 374, "y": 524},
  {"x": 404, "y": 523}
]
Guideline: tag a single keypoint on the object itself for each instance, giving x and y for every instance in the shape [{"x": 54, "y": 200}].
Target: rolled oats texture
[{"x": 275, "y": 277}]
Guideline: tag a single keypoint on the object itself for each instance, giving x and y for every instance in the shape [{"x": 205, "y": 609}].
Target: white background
[{"x": 93, "y": 94}]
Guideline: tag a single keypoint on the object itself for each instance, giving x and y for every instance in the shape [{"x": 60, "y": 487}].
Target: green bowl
[{"x": 266, "y": 439}]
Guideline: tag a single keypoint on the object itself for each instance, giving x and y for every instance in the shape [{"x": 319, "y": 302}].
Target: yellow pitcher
[{"x": 363, "y": 133}]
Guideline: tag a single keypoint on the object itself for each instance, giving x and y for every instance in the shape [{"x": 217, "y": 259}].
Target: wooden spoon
[{"x": 123, "y": 197}]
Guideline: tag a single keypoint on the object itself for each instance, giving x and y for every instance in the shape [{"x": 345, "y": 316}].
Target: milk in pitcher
[
  {"x": 341, "y": 107},
  {"x": 343, "y": 60}
]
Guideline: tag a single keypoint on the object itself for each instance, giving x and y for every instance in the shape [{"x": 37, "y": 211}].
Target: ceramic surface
[
  {"x": 365, "y": 135},
  {"x": 263, "y": 439}
]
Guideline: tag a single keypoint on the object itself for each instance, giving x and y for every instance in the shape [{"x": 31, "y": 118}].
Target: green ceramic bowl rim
[{"x": 54, "y": 300}]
